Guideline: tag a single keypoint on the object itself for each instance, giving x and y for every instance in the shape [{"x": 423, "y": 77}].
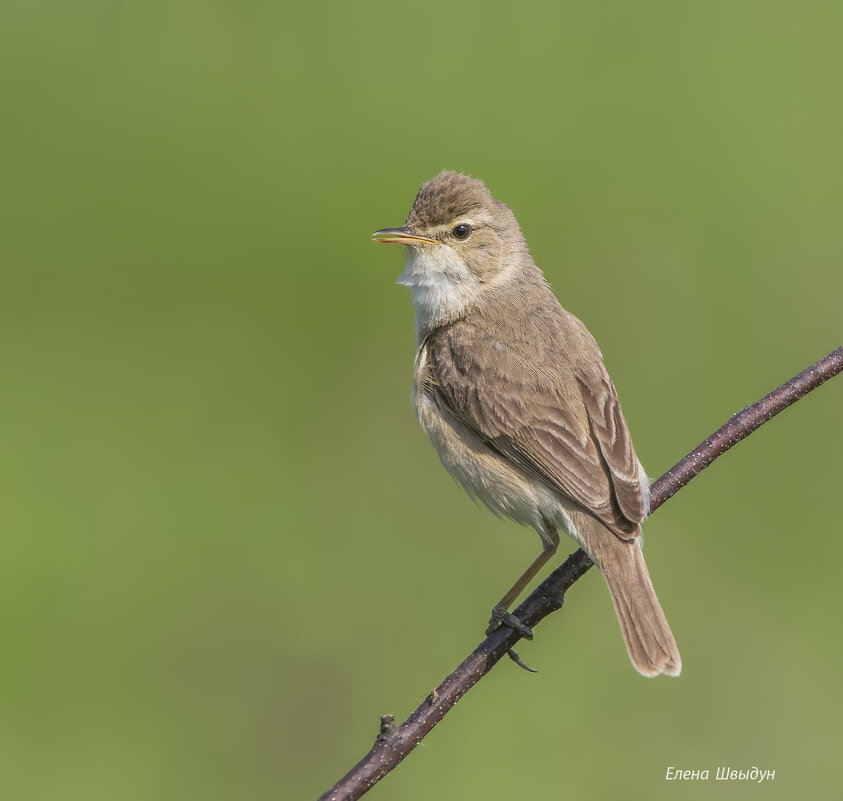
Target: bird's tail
[{"x": 649, "y": 640}]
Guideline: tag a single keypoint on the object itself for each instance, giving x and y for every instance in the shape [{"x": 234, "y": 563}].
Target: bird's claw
[{"x": 502, "y": 617}]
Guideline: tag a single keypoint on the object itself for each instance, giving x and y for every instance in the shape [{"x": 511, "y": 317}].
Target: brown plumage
[{"x": 512, "y": 391}]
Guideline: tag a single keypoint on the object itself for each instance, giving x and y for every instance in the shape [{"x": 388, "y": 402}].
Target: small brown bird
[{"x": 512, "y": 391}]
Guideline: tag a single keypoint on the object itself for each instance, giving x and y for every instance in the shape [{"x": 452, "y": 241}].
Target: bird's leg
[{"x": 501, "y": 616}]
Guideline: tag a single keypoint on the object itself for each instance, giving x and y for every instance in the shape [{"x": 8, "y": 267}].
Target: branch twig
[{"x": 394, "y": 743}]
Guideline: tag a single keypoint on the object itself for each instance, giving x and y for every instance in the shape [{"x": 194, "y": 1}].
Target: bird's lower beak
[{"x": 401, "y": 236}]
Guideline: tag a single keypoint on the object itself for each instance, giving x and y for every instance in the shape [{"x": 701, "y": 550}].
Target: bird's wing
[
  {"x": 611, "y": 434},
  {"x": 569, "y": 434}
]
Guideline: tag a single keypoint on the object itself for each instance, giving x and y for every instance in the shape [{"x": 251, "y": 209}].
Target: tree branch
[{"x": 393, "y": 744}]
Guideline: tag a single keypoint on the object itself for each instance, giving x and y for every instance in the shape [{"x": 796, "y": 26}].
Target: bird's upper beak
[{"x": 402, "y": 236}]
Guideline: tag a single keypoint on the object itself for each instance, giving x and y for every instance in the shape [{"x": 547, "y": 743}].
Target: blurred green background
[{"x": 227, "y": 546}]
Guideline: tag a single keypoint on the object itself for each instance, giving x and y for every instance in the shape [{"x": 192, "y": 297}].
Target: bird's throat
[{"x": 441, "y": 285}]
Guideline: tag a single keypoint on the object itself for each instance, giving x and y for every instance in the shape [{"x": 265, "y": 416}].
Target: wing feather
[{"x": 564, "y": 427}]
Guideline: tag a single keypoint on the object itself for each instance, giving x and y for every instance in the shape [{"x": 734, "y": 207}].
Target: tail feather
[{"x": 649, "y": 640}]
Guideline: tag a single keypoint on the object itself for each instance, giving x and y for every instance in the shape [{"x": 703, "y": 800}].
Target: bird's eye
[{"x": 462, "y": 231}]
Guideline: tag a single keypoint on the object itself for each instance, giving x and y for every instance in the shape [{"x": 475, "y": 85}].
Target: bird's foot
[{"x": 502, "y": 617}]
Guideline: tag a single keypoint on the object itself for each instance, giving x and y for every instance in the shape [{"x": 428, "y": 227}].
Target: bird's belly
[{"x": 488, "y": 477}]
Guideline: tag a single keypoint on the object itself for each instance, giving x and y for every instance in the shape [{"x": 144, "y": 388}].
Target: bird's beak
[{"x": 402, "y": 236}]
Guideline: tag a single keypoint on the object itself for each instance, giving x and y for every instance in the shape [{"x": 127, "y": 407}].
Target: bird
[{"x": 513, "y": 393}]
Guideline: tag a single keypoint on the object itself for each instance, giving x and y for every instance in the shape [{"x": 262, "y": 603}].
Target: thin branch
[{"x": 394, "y": 743}]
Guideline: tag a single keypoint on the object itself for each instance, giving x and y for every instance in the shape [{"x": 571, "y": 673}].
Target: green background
[{"x": 228, "y": 548}]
